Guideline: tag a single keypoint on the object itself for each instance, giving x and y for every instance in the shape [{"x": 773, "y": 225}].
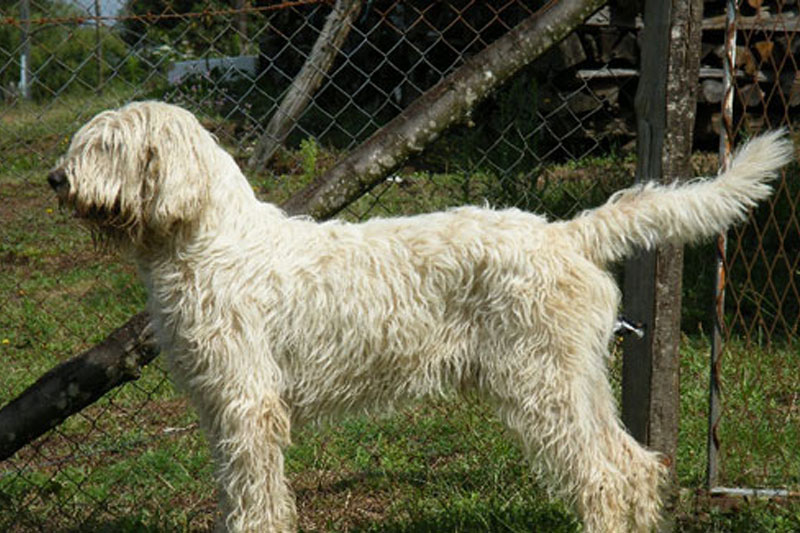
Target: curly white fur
[{"x": 270, "y": 322}]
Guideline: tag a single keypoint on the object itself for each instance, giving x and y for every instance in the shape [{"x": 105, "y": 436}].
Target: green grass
[
  {"x": 135, "y": 461},
  {"x": 761, "y": 417}
]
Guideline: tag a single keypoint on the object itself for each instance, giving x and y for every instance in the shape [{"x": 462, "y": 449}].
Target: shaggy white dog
[{"x": 270, "y": 321}]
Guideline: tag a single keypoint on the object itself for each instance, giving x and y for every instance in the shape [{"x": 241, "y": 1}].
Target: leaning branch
[
  {"x": 448, "y": 102},
  {"x": 77, "y": 383},
  {"x": 330, "y": 40}
]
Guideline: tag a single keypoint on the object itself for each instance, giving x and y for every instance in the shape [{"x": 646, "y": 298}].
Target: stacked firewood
[
  {"x": 765, "y": 62},
  {"x": 603, "y": 59}
]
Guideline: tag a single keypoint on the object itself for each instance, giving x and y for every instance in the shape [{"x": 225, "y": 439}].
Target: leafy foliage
[
  {"x": 193, "y": 36},
  {"x": 64, "y": 57}
]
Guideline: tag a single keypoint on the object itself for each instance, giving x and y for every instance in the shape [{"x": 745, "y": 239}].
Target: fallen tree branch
[
  {"x": 77, "y": 383},
  {"x": 331, "y": 38},
  {"x": 446, "y": 103}
]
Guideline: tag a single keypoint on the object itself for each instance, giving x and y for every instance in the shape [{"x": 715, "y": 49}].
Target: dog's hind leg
[{"x": 569, "y": 430}]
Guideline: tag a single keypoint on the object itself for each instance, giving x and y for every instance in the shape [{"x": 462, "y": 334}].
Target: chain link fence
[
  {"x": 555, "y": 139},
  {"x": 758, "y": 295}
]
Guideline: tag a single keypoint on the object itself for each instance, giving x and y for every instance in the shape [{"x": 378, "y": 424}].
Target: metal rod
[
  {"x": 717, "y": 337},
  {"x": 25, "y": 54},
  {"x": 98, "y": 36},
  {"x": 746, "y": 492}
]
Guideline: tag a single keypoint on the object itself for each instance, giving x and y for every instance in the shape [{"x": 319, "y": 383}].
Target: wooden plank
[{"x": 782, "y": 22}]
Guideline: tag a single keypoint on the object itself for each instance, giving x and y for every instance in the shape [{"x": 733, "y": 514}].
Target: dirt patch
[
  {"x": 18, "y": 199},
  {"x": 337, "y": 500},
  {"x": 13, "y": 259}
]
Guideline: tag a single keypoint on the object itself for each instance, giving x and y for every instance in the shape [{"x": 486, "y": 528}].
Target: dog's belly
[{"x": 332, "y": 382}]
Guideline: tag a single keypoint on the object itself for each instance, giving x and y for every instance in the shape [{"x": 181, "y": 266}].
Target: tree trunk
[
  {"x": 77, "y": 383},
  {"x": 665, "y": 107},
  {"x": 330, "y": 40},
  {"x": 448, "y": 102}
]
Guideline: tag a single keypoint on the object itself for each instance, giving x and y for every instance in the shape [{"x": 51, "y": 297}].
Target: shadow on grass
[
  {"x": 423, "y": 500},
  {"x": 743, "y": 516},
  {"x": 481, "y": 520}
]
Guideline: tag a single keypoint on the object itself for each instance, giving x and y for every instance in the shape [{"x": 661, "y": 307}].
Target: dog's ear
[{"x": 175, "y": 189}]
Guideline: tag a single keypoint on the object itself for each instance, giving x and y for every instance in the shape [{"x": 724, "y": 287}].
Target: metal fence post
[
  {"x": 725, "y": 150},
  {"x": 25, "y": 53},
  {"x": 98, "y": 35}
]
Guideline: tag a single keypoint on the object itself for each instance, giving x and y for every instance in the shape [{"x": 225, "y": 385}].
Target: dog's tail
[{"x": 647, "y": 215}]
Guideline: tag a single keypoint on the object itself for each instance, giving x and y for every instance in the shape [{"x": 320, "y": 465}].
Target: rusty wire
[
  {"x": 717, "y": 336},
  {"x": 753, "y": 299},
  {"x": 152, "y": 18}
]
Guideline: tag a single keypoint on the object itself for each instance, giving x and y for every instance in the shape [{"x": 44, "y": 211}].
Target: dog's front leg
[{"x": 248, "y": 435}]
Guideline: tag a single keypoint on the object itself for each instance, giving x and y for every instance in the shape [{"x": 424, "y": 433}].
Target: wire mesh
[
  {"x": 555, "y": 139},
  {"x": 759, "y": 317}
]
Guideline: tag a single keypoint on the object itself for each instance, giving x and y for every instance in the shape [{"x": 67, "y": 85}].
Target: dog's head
[{"x": 137, "y": 172}]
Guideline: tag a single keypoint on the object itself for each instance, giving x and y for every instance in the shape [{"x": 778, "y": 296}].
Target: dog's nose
[{"x": 57, "y": 179}]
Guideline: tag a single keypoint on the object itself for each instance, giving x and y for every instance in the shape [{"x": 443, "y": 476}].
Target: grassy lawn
[{"x": 135, "y": 461}]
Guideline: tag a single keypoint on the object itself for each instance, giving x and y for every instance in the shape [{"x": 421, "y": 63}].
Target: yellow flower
[{"x": 6, "y": 341}]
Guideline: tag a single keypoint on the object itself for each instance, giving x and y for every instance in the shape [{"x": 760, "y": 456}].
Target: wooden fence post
[{"x": 665, "y": 109}]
